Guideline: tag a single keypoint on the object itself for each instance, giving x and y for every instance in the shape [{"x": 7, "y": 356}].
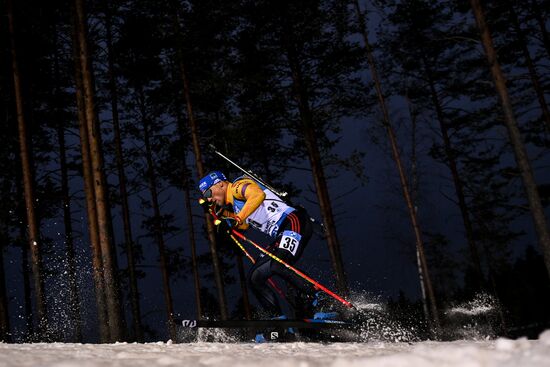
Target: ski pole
[
  {"x": 249, "y": 173},
  {"x": 316, "y": 284},
  {"x": 270, "y": 281},
  {"x": 243, "y": 249},
  {"x": 217, "y": 222},
  {"x": 258, "y": 179}
]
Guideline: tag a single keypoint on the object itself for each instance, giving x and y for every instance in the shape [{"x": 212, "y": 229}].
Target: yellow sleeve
[
  {"x": 249, "y": 191},
  {"x": 228, "y": 214}
]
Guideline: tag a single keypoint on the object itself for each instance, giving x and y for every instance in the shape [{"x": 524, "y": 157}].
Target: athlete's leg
[{"x": 258, "y": 276}]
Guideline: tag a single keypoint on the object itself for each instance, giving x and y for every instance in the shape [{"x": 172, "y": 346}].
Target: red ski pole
[
  {"x": 270, "y": 281},
  {"x": 217, "y": 221},
  {"x": 316, "y": 284}
]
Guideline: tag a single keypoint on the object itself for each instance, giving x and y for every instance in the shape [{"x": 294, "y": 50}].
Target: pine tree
[
  {"x": 28, "y": 182},
  {"x": 425, "y": 275},
  {"x": 99, "y": 182},
  {"x": 8, "y": 165},
  {"x": 198, "y": 12},
  {"x": 99, "y": 282},
  {"x": 312, "y": 68},
  {"x": 122, "y": 181},
  {"x": 522, "y": 160}
]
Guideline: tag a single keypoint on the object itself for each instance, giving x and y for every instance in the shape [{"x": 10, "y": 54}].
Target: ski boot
[{"x": 322, "y": 307}]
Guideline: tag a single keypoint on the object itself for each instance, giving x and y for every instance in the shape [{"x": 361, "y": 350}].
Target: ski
[{"x": 259, "y": 324}]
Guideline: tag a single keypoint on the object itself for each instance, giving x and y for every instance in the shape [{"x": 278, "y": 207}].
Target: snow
[
  {"x": 481, "y": 304},
  {"x": 465, "y": 353}
]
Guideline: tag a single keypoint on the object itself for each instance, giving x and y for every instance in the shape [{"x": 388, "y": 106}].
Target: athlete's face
[{"x": 218, "y": 193}]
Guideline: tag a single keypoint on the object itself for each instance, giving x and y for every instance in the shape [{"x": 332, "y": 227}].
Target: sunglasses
[{"x": 207, "y": 194}]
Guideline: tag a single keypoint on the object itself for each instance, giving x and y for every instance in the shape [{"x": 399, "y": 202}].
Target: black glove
[
  {"x": 206, "y": 205},
  {"x": 227, "y": 224},
  {"x": 223, "y": 226}
]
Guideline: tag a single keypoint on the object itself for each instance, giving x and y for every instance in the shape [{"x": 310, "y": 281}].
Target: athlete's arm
[
  {"x": 251, "y": 193},
  {"x": 241, "y": 225}
]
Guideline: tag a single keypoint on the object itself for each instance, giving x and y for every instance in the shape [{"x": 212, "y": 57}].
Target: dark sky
[{"x": 373, "y": 227}]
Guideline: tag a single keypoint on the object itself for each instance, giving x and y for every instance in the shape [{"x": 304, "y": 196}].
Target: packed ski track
[
  {"x": 499, "y": 352},
  {"x": 381, "y": 342}
]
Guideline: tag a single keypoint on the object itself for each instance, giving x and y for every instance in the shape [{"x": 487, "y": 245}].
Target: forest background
[{"x": 108, "y": 109}]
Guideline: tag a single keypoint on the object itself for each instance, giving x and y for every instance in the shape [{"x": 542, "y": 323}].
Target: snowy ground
[
  {"x": 470, "y": 322},
  {"x": 499, "y": 352}
]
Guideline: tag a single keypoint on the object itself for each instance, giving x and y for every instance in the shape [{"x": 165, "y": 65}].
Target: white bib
[
  {"x": 290, "y": 241},
  {"x": 269, "y": 215}
]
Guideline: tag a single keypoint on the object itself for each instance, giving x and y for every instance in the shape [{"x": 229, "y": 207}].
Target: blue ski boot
[
  {"x": 289, "y": 334},
  {"x": 326, "y": 315},
  {"x": 260, "y": 338},
  {"x": 268, "y": 335},
  {"x": 322, "y": 305}
]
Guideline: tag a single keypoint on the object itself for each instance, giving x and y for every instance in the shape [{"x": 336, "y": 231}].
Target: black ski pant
[{"x": 266, "y": 267}]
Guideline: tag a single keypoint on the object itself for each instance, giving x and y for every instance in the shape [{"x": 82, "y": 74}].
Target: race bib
[{"x": 290, "y": 241}]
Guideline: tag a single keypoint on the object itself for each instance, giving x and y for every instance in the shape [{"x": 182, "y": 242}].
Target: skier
[{"x": 245, "y": 203}]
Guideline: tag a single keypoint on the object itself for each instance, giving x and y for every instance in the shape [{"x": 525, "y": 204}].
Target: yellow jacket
[{"x": 246, "y": 190}]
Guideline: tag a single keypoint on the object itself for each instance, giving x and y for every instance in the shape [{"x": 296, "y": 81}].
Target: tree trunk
[
  {"x": 24, "y": 260},
  {"x": 128, "y": 238},
  {"x": 301, "y": 95},
  {"x": 200, "y": 170},
  {"x": 397, "y": 159},
  {"x": 493, "y": 282},
  {"x": 28, "y": 184},
  {"x": 74, "y": 301},
  {"x": 192, "y": 242},
  {"x": 157, "y": 218},
  {"x": 25, "y": 271},
  {"x": 189, "y": 214},
  {"x": 414, "y": 199},
  {"x": 27, "y": 294},
  {"x": 99, "y": 181},
  {"x": 522, "y": 159},
  {"x": 531, "y": 67},
  {"x": 459, "y": 189},
  {"x": 244, "y": 288},
  {"x": 99, "y": 283}
]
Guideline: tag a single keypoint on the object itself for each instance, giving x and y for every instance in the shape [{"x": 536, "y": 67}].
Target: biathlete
[{"x": 246, "y": 203}]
